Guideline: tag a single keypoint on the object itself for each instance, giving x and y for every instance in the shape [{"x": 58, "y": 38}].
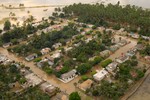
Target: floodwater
[
  {"x": 38, "y": 13},
  {"x": 66, "y": 87},
  {"x": 143, "y": 93},
  {"x": 123, "y": 49}
]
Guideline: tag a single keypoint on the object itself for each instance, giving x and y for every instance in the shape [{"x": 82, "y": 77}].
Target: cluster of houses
[
  {"x": 137, "y": 36},
  {"x": 113, "y": 48},
  {"x": 113, "y": 67},
  {"x": 33, "y": 80}
]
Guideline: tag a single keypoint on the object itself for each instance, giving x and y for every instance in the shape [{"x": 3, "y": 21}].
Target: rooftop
[
  {"x": 68, "y": 74},
  {"x": 85, "y": 85}
]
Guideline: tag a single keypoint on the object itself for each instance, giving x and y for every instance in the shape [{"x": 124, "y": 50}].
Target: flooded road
[
  {"x": 123, "y": 49},
  {"x": 39, "y": 13},
  {"x": 67, "y": 87}
]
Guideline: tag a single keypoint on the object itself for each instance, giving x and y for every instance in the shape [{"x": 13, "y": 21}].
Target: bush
[
  {"x": 94, "y": 27},
  {"x": 106, "y": 62},
  {"x": 37, "y": 59},
  {"x": 84, "y": 77}
]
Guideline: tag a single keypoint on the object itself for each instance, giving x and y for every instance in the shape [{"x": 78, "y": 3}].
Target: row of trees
[{"x": 111, "y": 15}]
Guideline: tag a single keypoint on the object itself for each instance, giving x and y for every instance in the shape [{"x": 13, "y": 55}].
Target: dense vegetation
[
  {"x": 86, "y": 50},
  {"x": 111, "y": 15},
  {"x": 146, "y": 51},
  {"x": 33, "y": 93},
  {"x": 46, "y": 40},
  {"x": 9, "y": 76}
]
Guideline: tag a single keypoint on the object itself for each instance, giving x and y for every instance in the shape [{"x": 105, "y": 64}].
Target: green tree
[
  {"x": 7, "y": 25},
  {"x": 74, "y": 96}
]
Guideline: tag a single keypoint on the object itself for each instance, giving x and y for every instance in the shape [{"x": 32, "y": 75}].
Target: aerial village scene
[{"x": 74, "y": 50}]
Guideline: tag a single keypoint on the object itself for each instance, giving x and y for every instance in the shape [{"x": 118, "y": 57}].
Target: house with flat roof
[
  {"x": 56, "y": 45},
  {"x": 114, "y": 48},
  {"x": 122, "y": 42},
  {"x": 45, "y": 51},
  {"x": 147, "y": 58},
  {"x": 86, "y": 85},
  {"x": 122, "y": 59},
  {"x": 130, "y": 53},
  {"x": 31, "y": 57},
  {"x": 33, "y": 80},
  {"x": 100, "y": 75},
  {"x": 48, "y": 88},
  {"x": 68, "y": 49},
  {"x": 67, "y": 77},
  {"x": 105, "y": 53},
  {"x": 46, "y": 60},
  {"x": 112, "y": 66},
  {"x": 61, "y": 96},
  {"x": 6, "y": 45},
  {"x": 56, "y": 55},
  {"x": 139, "y": 47}
]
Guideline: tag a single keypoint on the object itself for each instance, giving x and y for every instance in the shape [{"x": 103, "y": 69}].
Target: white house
[
  {"x": 57, "y": 45},
  {"x": 122, "y": 59},
  {"x": 112, "y": 66},
  {"x": 56, "y": 55},
  {"x": 33, "y": 80},
  {"x": 45, "y": 51},
  {"x": 100, "y": 75},
  {"x": 31, "y": 57},
  {"x": 67, "y": 77}
]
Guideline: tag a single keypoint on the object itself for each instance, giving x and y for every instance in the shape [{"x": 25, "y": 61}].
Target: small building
[
  {"x": 145, "y": 37},
  {"x": 112, "y": 66},
  {"x": 78, "y": 44},
  {"x": 122, "y": 59},
  {"x": 31, "y": 57},
  {"x": 57, "y": 45},
  {"x": 48, "y": 88},
  {"x": 86, "y": 85},
  {"x": 122, "y": 42},
  {"x": 105, "y": 53},
  {"x": 68, "y": 49},
  {"x": 100, "y": 75},
  {"x": 67, "y": 77},
  {"x": 88, "y": 40},
  {"x": 60, "y": 96},
  {"x": 147, "y": 58},
  {"x": 2, "y": 58},
  {"x": 33, "y": 80},
  {"x": 45, "y": 51},
  {"x": 135, "y": 36},
  {"x": 114, "y": 48},
  {"x": 130, "y": 53},
  {"x": 56, "y": 55},
  {"x": 139, "y": 47},
  {"x": 46, "y": 60},
  {"x": 6, "y": 45}
]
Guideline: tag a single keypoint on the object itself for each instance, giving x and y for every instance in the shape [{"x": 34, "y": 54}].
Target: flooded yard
[
  {"x": 67, "y": 87},
  {"x": 143, "y": 93},
  {"x": 123, "y": 49}
]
